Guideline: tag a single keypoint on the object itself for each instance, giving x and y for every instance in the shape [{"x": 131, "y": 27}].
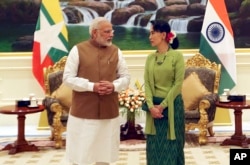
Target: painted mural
[{"x": 129, "y": 17}]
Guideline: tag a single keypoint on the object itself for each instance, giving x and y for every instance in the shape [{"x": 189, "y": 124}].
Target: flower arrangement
[{"x": 131, "y": 101}]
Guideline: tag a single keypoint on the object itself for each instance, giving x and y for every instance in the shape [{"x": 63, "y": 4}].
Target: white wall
[{"x": 17, "y": 81}]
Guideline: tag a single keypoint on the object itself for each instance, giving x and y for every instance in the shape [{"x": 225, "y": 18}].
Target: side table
[
  {"x": 20, "y": 144},
  {"x": 238, "y": 138}
]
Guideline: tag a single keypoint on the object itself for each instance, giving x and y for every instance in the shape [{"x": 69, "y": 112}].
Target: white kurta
[{"x": 89, "y": 141}]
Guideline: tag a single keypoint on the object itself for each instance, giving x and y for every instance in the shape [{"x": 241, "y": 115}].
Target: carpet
[
  {"x": 132, "y": 152},
  {"x": 192, "y": 138},
  {"x": 126, "y": 145}
]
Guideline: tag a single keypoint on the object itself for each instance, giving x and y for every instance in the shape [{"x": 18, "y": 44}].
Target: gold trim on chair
[
  {"x": 50, "y": 69},
  {"x": 57, "y": 128},
  {"x": 203, "y": 124},
  {"x": 199, "y": 60}
]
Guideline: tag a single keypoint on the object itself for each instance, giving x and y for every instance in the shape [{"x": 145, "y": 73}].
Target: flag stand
[
  {"x": 43, "y": 121},
  {"x": 222, "y": 117}
]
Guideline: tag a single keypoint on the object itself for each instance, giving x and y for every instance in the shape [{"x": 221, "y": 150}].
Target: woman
[{"x": 163, "y": 77}]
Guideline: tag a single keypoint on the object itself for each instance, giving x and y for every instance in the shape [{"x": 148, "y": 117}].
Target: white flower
[{"x": 131, "y": 99}]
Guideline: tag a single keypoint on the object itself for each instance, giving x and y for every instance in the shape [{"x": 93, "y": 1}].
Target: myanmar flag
[
  {"x": 50, "y": 38},
  {"x": 217, "y": 42}
]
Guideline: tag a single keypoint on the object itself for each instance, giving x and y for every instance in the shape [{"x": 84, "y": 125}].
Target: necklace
[
  {"x": 163, "y": 52},
  {"x": 159, "y": 62}
]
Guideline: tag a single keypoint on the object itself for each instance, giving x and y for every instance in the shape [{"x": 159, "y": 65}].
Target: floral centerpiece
[{"x": 130, "y": 102}]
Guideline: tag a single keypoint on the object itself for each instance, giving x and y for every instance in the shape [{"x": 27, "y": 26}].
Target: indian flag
[
  {"x": 50, "y": 38},
  {"x": 217, "y": 42}
]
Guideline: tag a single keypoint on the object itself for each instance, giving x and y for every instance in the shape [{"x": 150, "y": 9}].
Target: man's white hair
[{"x": 95, "y": 23}]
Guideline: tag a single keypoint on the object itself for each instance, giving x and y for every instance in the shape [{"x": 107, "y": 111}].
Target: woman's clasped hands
[{"x": 156, "y": 111}]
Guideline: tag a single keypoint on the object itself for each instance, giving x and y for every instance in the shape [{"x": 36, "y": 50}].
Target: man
[{"x": 96, "y": 71}]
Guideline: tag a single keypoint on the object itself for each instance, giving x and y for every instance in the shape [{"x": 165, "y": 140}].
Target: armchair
[
  {"x": 56, "y": 100},
  {"x": 200, "y": 92}
]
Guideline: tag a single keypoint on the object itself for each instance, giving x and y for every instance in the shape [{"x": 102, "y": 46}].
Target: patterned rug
[
  {"x": 132, "y": 152},
  {"x": 126, "y": 145},
  {"x": 191, "y": 140},
  {"x": 42, "y": 142}
]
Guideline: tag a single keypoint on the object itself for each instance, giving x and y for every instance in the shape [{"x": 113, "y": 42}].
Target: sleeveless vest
[{"x": 96, "y": 63}]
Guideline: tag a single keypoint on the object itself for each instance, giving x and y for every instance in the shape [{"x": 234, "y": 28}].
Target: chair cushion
[
  {"x": 54, "y": 80},
  {"x": 64, "y": 95},
  {"x": 207, "y": 76},
  {"x": 192, "y": 115},
  {"x": 192, "y": 91}
]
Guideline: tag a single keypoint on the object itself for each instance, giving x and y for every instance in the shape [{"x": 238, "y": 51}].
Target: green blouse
[{"x": 163, "y": 77}]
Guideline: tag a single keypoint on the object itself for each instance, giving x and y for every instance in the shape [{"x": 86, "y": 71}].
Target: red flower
[{"x": 170, "y": 37}]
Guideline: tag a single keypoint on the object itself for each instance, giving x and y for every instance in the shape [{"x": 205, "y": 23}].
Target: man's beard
[{"x": 103, "y": 42}]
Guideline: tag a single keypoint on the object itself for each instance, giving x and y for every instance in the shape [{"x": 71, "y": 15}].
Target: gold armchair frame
[
  {"x": 57, "y": 128},
  {"x": 203, "y": 124}
]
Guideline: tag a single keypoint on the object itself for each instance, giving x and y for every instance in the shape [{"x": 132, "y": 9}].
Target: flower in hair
[{"x": 170, "y": 37}]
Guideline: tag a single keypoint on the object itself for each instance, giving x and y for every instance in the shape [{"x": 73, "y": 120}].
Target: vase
[
  {"x": 130, "y": 130},
  {"x": 131, "y": 119}
]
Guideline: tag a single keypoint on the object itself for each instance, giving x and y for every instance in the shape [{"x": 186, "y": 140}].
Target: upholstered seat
[
  {"x": 55, "y": 93},
  {"x": 200, "y": 92}
]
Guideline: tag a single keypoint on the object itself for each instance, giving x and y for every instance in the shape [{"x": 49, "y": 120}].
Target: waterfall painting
[{"x": 130, "y": 19}]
